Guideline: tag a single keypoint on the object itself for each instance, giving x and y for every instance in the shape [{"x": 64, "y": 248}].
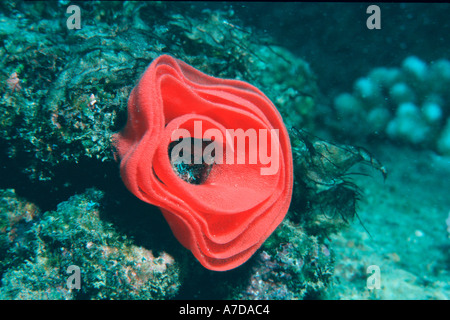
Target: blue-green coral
[{"x": 408, "y": 104}]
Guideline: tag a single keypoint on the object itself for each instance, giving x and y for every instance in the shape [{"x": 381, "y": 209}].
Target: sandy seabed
[{"x": 406, "y": 218}]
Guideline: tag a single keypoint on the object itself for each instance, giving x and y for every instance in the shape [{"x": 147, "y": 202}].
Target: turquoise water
[{"x": 362, "y": 91}]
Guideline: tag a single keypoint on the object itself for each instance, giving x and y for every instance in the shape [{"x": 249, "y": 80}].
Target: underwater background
[{"x": 372, "y": 102}]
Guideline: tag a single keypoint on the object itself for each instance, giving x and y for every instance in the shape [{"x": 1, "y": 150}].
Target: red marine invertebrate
[{"x": 224, "y": 207}]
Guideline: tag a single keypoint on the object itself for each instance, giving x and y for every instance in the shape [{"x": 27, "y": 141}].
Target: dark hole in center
[{"x": 192, "y": 167}]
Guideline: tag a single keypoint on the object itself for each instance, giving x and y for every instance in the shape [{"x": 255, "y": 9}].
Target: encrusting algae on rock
[{"x": 112, "y": 267}]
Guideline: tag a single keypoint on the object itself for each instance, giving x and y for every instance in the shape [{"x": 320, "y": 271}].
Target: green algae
[{"x": 112, "y": 266}]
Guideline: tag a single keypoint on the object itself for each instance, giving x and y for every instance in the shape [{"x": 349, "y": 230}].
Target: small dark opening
[{"x": 192, "y": 168}]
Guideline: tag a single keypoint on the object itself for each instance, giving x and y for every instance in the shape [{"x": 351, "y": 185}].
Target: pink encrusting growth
[
  {"x": 224, "y": 219},
  {"x": 13, "y": 82}
]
